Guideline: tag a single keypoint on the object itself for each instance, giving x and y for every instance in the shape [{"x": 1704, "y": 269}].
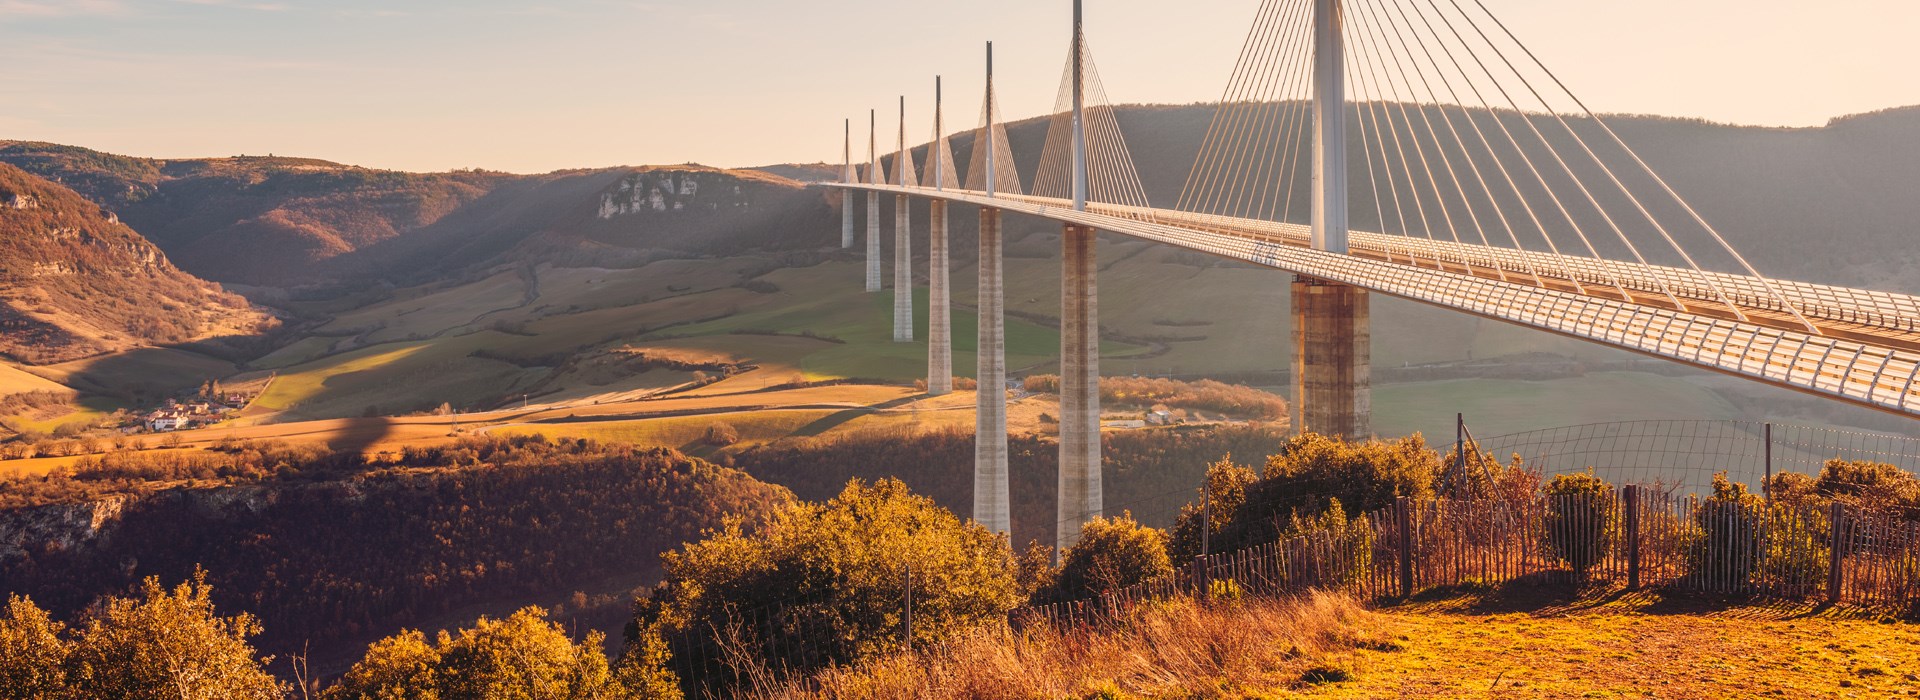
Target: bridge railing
[
  {"x": 1871, "y": 308},
  {"x": 1842, "y": 368}
]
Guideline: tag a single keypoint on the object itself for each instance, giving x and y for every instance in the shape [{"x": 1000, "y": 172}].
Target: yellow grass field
[
  {"x": 684, "y": 433},
  {"x": 1327, "y": 646},
  {"x": 14, "y": 380}
]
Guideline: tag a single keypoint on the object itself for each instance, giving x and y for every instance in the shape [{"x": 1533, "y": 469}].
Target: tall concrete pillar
[
  {"x": 1332, "y": 370},
  {"x": 873, "y": 241},
  {"x": 846, "y": 196},
  {"x": 846, "y": 217},
  {"x": 940, "y": 309},
  {"x": 1332, "y": 375},
  {"x": 902, "y": 271},
  {"x": 1080, "y": 492},
  {"x": 990, "y": 500}
]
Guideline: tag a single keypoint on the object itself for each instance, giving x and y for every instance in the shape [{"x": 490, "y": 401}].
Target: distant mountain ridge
[
  {"x": 277, "y": 221},
  {"x": 75, "y": 282}
]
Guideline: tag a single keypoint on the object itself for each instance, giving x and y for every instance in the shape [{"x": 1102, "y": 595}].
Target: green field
[
  {"x": 393, "y": 378},
  {"x": 1503, "y": 406}
]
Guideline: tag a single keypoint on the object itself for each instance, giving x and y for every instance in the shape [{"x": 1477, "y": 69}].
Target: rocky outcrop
[
  {"x": 654, "y": 191},
  {"x": 65, "y": 526}
]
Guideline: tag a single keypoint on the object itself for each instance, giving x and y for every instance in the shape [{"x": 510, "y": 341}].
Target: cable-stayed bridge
[{"x": 1479, "y": 183}]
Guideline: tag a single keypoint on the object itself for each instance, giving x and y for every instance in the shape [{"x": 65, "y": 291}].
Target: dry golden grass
[
  {"x": 1254, "y": 648},
  {"x": 1330, "y": 646}
]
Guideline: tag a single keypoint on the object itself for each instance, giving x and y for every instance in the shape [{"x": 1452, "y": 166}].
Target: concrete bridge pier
[
  {"x": 990, "y": 498},
  {"x": 873, "y": 241},
  {"x": 1080, "y": 491},
  {"x": 846, "y": 218},
  {"x": 940, "y": 308},
  {"x": 902, "y": 270},
  {"x": 1332, "y": 370}
]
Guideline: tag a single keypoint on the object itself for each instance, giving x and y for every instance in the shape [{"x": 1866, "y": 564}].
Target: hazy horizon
[{"x": 435, "y": 86}]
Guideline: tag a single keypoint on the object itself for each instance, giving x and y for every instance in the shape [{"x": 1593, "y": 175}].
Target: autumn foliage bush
[{"x": 827, "y": 583}]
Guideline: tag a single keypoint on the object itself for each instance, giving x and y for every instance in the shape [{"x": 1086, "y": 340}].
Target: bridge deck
[{"x": 1867, "y": 351}]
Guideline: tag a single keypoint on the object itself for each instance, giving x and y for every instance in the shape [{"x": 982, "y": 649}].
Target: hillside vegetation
[
  {"x": 75, "y": 282},
  {"x": 285, "y": 534},
  {"x": 280, "y": 221}
]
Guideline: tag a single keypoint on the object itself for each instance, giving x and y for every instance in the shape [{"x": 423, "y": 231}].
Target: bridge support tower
[
  {"x": 940, "y": 308},
  {"x": 873, "y": 241},
  {"x": 846, "y": 196},
  {"x": 990, "y": 499},
  {"x": 902, "y": 270},
  {"x": 1080, "y": 487},
  {"x": 1332, "y": 369},
  {"x": 873, "y": 204},
  {"x": 1332, "y": 382},
  {"x": 847, "y": 199}
]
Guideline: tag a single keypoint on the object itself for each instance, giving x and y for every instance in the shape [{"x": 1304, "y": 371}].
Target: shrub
[
  {"x": 825, "y": 583},
  {"x": 1869, "y": 484},
  {"x": 33, "y": 652},
  {"x": 1582, "y": 520},
  {"x": 1795, "y": 489},
  {"x": 522, "y": 656},
  {"x": 166, "y": 644},
  {"x": 721, "y": 435},
  {"x": 1221, "y": 498},
  {"x": 1346, "y": 542},
  {"x": 1113, "y": 554},
  {"x": 1312, "y": 472},
  {"x": 1726, "y": 544}
]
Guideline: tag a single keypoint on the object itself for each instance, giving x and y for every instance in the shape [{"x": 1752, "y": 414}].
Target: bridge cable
[
  {"x": 1206, "y": 143},
  {"x": 1282, "y": 115},
  {"x": 1413, "y": 135},
  {"x": 1132, "y": 191},
  {"x": 1601, "y": 163},
  {"x": 1370, "y": 123},
  {"x": 1663, "y": 183},
  {"x": 1605, "y": 262},
  {"x": 1446, "y": 161},
  {"x": 1300, "y": 129},
  {"x": 1605, "y": 215},
  {"x": 1487, "y": 144},
  {"x": 1224, "y": 176},
  {"x": 1528, "y": 161},
  {"x": 1370, "y": 79}
]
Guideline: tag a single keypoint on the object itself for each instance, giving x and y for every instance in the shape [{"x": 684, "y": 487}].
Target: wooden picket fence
[{"x": 1633, "y": 538}]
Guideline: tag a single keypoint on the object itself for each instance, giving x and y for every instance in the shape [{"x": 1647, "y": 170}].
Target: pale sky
[{"x": 537, "y": 86}]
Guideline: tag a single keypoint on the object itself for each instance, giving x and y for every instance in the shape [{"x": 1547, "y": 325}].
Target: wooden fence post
[
  {"x": 1632, "y": 495},
  {"x": 1837, "y": 515},
  {"x": 1403, "y": 513},
  {"x": 1202, "y": 578}
]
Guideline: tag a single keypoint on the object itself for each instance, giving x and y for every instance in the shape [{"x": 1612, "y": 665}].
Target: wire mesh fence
[{"x": 1683, "y": 455}]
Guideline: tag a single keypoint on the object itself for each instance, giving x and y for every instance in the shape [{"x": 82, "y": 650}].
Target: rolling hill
[
  {"x": 280, "y": 222},
  {"x": 75, "y": 282}
]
